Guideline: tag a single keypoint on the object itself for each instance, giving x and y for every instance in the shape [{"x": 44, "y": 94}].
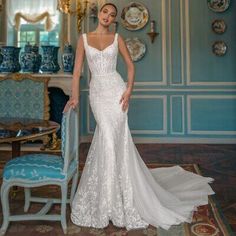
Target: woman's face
[{"x": 107, "y": 15}]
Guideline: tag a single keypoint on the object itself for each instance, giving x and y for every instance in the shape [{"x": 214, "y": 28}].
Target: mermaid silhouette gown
[{"x": 116, "y": 185}]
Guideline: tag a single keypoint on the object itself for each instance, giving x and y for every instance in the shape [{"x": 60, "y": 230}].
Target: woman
[{"x": 115, "y": 184}]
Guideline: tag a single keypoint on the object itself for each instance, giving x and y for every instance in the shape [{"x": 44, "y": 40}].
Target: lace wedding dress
[{"x": 116, "y": 184}]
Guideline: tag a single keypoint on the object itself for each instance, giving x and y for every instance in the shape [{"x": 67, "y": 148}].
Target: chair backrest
[
  {"x": 70, "y": 138},
  {"x": 24, "y": 96}
]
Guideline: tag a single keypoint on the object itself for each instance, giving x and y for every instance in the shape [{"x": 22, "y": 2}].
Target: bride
[{"x": 116, "y": 185}]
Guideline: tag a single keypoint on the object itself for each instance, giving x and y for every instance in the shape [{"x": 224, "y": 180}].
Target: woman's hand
[
  {"x": 71, "y": 103},
  {"x": 125, "y": 99}
]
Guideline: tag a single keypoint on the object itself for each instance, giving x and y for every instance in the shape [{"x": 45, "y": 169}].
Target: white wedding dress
[{"x": 116, "y": 184}]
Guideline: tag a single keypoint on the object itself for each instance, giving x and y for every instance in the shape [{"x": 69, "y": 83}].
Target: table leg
[{"x": 15, "y": 149}]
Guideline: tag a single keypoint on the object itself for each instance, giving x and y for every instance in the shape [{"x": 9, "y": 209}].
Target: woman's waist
[
  {"x": 104, "y": 74},
  {"x": 103, "y": 82}
]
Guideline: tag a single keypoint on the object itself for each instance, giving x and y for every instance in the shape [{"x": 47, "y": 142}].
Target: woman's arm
[
  {"x": 131, "y": 72},
  {"x": 79, "y": 59}
]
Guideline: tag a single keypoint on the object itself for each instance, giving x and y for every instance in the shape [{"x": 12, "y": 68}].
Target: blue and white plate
[
  {"x": 219, "y": 26},
  {"x": 136, "y": 47},
  {"x": 219, "y": 48},
  {"x": 134, "y": 16},
  {"x": 218, "y": 5}
]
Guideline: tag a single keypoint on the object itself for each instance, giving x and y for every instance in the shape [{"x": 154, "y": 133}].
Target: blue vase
[
  {"x": 55, "y": 59},
  {"x": 68, "y": 58},
  {"x": 16, "y": 59},
  {"x": 10, "y": 62},
  {"x": 1, "y": 57},
  {"x": 30, "y": 59},
  {"x": 49, "y": 60}
]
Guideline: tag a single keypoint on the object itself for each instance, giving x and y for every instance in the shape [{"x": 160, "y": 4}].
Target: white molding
[
  {"x": 164, "y": 99},
  {"x": 221, "y": 96},
  {"x": 164, "y": 48},
  {"x": 141, "y": 83},
  {"x": 187, "y": 36},
  {"x": 177, "y": 140},
  {"x": 170, "y": 42},
  {"x": 181, "y": 45},
  {"x": 163, "y": 131},
  {"x": 212, "y": 83},
  {"x": 189, "y": 116},
  {"x": 209, "y": 90},
  {"x": 171, "y": 115},
  {"x": 188, "y": 57},
  {"x": 182, "y": 41}
]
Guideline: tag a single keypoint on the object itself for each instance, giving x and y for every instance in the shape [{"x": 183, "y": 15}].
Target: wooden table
[{"x": 15, "y": 130}]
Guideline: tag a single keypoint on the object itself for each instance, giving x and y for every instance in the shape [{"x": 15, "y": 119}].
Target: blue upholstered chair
[
  {"x": 24, "y": 96},
  {"x": 35, "y": 170}
]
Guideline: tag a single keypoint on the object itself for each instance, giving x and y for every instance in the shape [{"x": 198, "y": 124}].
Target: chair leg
[
  {"x": 73, "y": 187},
  {"x": 27, "y": 199},
  {"x": 5, "y": 207},
  {"x": 63, "y": 207}
]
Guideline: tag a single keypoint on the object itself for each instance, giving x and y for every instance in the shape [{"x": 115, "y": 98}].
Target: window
[
  {"x": 18, "y": 11},
  {"x": 36, "y": 34}
]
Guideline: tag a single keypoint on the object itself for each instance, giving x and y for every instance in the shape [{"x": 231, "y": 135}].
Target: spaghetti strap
[
  {"x": 84, "y": 38},
  {"x": 116, "y": 36}
]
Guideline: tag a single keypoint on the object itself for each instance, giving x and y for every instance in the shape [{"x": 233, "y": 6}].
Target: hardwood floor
[{"x": 217, "y": 161}]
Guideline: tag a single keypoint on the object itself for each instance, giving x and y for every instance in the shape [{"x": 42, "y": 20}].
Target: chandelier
[{"x": 64, "y": 6}]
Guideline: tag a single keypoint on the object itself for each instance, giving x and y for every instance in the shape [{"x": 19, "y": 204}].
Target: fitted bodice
[
  {"x": 101, "y": 62},
  {"x": 116, "y": 185}
]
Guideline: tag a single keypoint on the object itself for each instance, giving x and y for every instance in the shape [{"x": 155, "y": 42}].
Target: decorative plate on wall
[
  {"x": 136, "y": 47},
  {"x": 218, "y": 5},
  {"x": 134, "y": 16},
  {"x": 218, "y": 26},
  {"x": 219, "y": 48}
]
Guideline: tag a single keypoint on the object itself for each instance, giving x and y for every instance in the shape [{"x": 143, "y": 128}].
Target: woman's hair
[{"x": 110, "y": 4}]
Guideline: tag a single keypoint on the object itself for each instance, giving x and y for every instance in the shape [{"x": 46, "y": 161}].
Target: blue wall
[{"x": 183, "y": 92}]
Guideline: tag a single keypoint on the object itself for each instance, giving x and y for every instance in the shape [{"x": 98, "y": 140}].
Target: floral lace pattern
[{"x": 115, "y": 184}]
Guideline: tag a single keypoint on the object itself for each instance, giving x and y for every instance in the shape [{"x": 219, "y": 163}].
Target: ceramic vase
[
  {"x": 10, "y": 59},
  {"x": 1, "y": 57},
  {"x": 50, "y": 59},
  {"x": 30, "y": 59},
  {"x": 68, "y": 58},
  {"x": 55, "y": 59}
]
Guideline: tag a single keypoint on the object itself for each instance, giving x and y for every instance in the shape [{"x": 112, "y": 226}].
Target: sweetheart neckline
[
  {"x": 102, "y": 49},
  {"x": 99, "y": 49}
]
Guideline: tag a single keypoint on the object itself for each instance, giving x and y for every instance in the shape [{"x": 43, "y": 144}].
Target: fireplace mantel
[{"x": 60, "y": 80}]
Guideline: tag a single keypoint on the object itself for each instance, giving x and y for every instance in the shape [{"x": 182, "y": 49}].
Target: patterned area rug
[{"x": 207, "y": 221}]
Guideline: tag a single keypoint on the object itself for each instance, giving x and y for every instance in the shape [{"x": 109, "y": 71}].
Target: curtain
[{"x": 32, "y": 11}]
